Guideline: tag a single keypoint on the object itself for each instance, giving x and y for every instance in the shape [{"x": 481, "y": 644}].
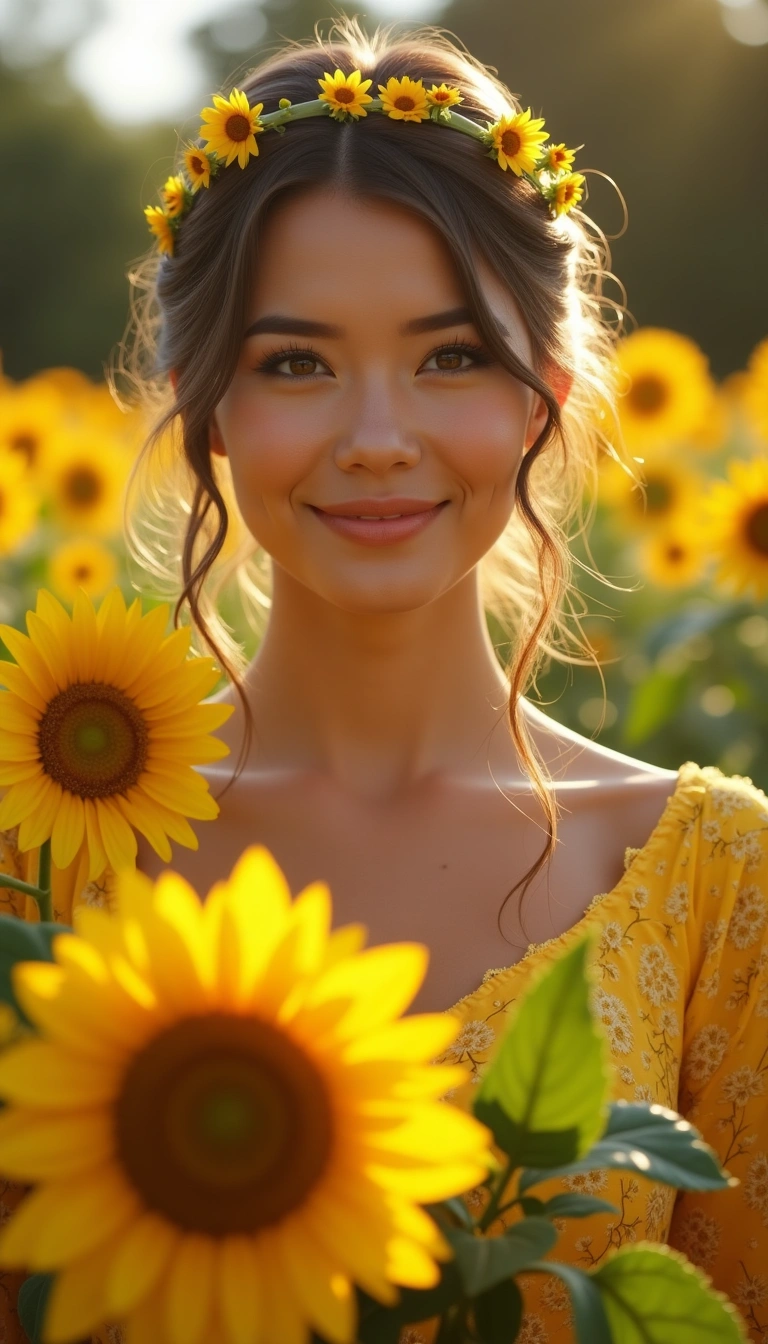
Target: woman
[{"x": 396, "y": 354}]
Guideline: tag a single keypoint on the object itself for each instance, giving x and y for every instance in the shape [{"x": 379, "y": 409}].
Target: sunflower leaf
[
  {"x": 498, "y": 1313},
  {"x": 589, "y": 1316},
  {"x": 32, "y": 1302},
  {"x": 485, "y": 1261},
  {"x": 20, "y": 941},
  {"x": 550, "y": 1074},
  {"x": 650, "y": 1141},
  {"x": 657, "y": 1286},
  {"x": 575, "y": 1206}
]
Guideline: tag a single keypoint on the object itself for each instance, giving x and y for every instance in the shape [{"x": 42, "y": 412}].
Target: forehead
[{"x": 327, "y": 254}]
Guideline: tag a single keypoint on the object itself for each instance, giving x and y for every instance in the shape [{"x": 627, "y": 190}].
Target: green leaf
[
  {"x": 651, "y": 1140},
  {"x": 550, "y": 1148},
  {"x": 20, "y": 941},
  {"x": 32, "y": 1303},
  {"x": 589, "y": 1315},
  {"x": 653, "y": 1295},
  {"x": 575, "y": 1206},
  {"x": 498, "y": 1313},
  {"x": 485, "y": 1261},
  {"x": 550, "y": 1073},
  {"x": 652, "y": 704},
  {"x": 416, "y": 1304}
]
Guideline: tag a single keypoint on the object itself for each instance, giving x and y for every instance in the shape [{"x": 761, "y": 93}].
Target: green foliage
[
  {"x": 20, "y": 941},
  {"x": 32, "y": 1303},
  {"x": 549, "y": 1078},
  {"x": 652, "y": 1295},
  {"x": 486, "y": 1261}
]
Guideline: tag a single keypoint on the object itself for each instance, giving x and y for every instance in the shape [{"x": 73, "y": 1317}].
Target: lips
[
  {"x": 380, "y": 528},
  {"x": 394, "y": 507}
]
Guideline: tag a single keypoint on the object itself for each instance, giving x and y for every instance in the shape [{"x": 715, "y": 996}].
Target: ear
[
  {"x": 215, "y": 439},
  {"x": 560, "y": 380}
]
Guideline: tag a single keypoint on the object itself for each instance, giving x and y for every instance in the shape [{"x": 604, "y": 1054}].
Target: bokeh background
[{"x": 668, "y": 98}]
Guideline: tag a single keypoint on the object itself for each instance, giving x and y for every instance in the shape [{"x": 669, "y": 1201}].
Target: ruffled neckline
[{"x": 636, "y": 864}]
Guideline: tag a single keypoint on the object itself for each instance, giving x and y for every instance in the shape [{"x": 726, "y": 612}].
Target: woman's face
[{"x": 363, "y": 384}]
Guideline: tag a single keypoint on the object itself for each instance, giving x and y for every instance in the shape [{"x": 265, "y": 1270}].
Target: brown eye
[
  {"x": 302, "y": 365},
  {"x": 449, "y": 359}
]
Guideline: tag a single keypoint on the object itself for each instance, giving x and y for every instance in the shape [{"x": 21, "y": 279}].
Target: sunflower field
[{"x": 680, "y": 633}]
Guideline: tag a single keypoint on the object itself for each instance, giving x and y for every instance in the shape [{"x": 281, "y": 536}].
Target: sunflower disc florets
[{"x": 229, "y": 129}]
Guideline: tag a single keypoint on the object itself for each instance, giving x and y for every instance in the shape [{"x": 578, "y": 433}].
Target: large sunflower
[
  {"x": 101, "y": 725},
  {"x": 736, "y": 513},
  {"x": 230, "y": 127},
  {"x": 228, "y": 1125},
  {"x": 18, "y": 502},
  {"x": 668, "y": 389},
  {"x": 86, "y": 480}
]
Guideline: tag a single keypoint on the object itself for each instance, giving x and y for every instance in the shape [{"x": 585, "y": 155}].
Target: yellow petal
[
  {"x": 68, "y": 829},
  {"x": 59, "y": 1223},
  {"x": 23, "y": 687},
  {"x": 379, "y": 984},
  {"x": 97, "y": 855},
  {"x": 37, "y": 826},
  {"x": 357, "y": 1242},
  {"x": 345, "y": 942},
  {"x": 240, "y": 1289},
  {"x": 17, "y": 746},
  {"x": 118, "y": 838},
  {"x": 144, "y": 819},
  {"x": 410, "y": 1265},
  {"x": 180, "y": 793},
  {"x": 140, "y": 1258},
  {"x": 76, "y": 1306},
  {"x": 284, "y": 1319},
  {"x": 85, "y": 647},
  {"x": 36, "y": 1073},
  {"x": 245, "y": 918},
  {"x": 30, "y": 660},
  {"x": 57, "y": 654},
  {"x": 416, "y": 1039},
  {"x": 178, "y": 960},
  {"x": 91, "y": 1015},
  {"x": 423, "y": 1183},
  {"x": 436, "y": 1132},
  {"x": 35, "y": 1147},
  {"x": 323, "y": 1291},
  {"x": 189, "y": 1291},
  {"x": 25, "y": 771},
  {"x": 23, "y": 800}
]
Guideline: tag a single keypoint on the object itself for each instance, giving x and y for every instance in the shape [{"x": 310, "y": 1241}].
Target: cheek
[
  {"x": 272, "y": 446},
  {"x": 482, "y": 441}
]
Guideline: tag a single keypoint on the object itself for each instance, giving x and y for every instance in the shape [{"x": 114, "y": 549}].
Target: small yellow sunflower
[
  {"x": 669, "y": 390},
  {"x": 227, "y": 1119},
  {"x": 755, "y": 390},
  {"x": 30, "y": 416},
  {"x": 19, "y": 502},
  {"x": 345, "y": 95},
  {"x": 443, "y": 95},
  {"x": 85, "y": 482},
  {"x": 567, "y": 193},
  {"x": 101, "y": 725},
  {"x": 176, "y": 196},
  {"x": 674, "y": 557},
  {"x": 157, "y": 219},
  {"x": 82, "y": 563},
  {"x": 230, "y": 127},
  {"x": 736, "y": 514},
  {"x": 668, "y": 489},
  {"x": 404, "y": 99},
  {"x": 558, "y": 159},
  {"x": 516, "y": 141},
  {"x": 198, "y": 164}
]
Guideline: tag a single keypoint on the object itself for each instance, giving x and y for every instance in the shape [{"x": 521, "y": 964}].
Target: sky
[{"x": 134, "y": 61}]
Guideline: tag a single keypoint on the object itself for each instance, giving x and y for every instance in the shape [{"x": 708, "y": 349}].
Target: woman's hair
[{"x": 188, "y": 314}]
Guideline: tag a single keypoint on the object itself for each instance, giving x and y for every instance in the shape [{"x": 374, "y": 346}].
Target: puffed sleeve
[{"x": 724, "y": 1072}]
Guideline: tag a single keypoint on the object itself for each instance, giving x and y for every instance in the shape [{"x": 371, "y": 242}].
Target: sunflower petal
[
  {"x": 321, "y": 1288},
  {"x": 119, "y": 840},
  {"x": 36, "y": 1147},
  {"x": 140, "y": 1257},
  {"x": 30, "y": 660},
  {"x": 36, "y": 1073},
  {"x": 22, "y": 801},
  {"x": 240, "y": 1289},
  {"x": 37, "y": 827},
  {"x": 379, "y": 983},
  {"x": 189, "y": 1291},
  {"x": 77, "y": 1304},
  {"x": 68, "y": 829},
  {"x": 61, "y": 1222}
]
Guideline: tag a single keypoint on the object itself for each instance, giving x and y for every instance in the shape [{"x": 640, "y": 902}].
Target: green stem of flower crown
[
  {"x": 296, "y": 112},
  {"x": 40, "y": 893}
]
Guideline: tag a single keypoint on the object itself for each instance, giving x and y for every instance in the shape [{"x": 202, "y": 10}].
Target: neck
[{"x": 379, "y": 701}]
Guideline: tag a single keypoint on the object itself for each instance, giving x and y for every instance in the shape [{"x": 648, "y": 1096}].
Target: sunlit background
[{"x": 668, "y": 98}]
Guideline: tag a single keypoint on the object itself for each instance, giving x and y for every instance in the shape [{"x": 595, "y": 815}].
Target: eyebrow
[{"x": 277, "y": 324}]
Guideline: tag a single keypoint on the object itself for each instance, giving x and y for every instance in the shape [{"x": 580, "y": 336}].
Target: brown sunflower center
[
  {"x": 568, "y": 192},
  {"x": 237, "y": 127},
  {"x": 675, "y": 553},
  {"x": 197, "y": 165},
  {"x": 223, "y": 1124},
  {"x": 757, "y": 529},
  {"x": 82, "y": 487},
  {"x": 81, "y": 571},
  {"x": 648, "y": 394},
  {"x": 344, "y": 94},
  {"x": 659, "y": 494},
  {"x": 404, "y": 102},
  {"x": 23, "y": 441},
  {"x": 93, "y": 740},
  {"x": 441, "y": 96},
  {"x": 510, "y": 143}
]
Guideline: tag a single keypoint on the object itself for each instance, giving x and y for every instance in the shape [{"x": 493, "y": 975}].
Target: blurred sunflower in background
[
  {"x": 736, "y": 513},
  {"x": 19, "y": 502},
  {"x": 668, "y": 392},
  {"x": 85, "y": 483},
  {"x": 30, "y": 419},
  {"x": 755, "y": 389},
  {"x": 666, "y": 488},
  {"x": 675, "y": 556},
  {"x": 82, "y": 563}
]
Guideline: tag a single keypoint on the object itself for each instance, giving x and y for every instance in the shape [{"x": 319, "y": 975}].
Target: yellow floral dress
[{"x": 682, "y": 962}]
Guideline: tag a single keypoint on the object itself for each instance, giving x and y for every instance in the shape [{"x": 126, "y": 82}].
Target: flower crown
[{"x": 230, "y": 128}]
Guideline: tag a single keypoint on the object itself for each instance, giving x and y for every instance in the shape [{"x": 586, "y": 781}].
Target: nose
[{"x": 378, "y": 437}]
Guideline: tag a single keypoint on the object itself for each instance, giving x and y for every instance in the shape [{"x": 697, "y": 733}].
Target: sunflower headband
[{"x": 230, "y": 128}]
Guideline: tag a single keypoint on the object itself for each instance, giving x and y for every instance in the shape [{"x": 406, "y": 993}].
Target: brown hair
[{"x": 188, "y": 314}]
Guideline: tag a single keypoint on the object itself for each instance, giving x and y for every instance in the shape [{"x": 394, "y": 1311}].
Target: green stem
[
  {"x": 493, "y": 1208},
  {"x": 40, "y": 893}
]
